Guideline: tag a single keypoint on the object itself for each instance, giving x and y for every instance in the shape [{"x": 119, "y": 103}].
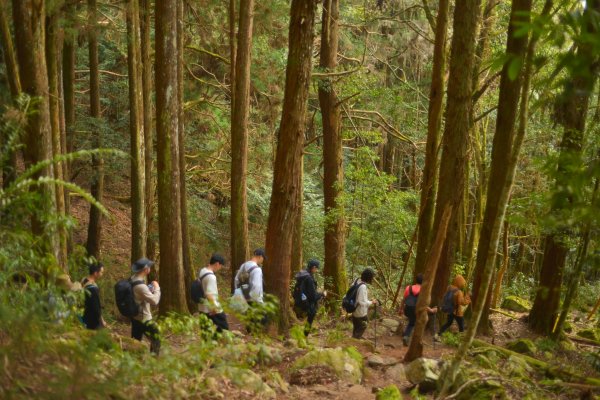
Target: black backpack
[
  {"x": 299, "y": 292},
  {"x": 448, "y": 301},
  {"x": 197, "y": 290},
  {"x": 411, "y": 299},
  {"x": 125, "y": 299},
  {"x": 349, "y": 300}
]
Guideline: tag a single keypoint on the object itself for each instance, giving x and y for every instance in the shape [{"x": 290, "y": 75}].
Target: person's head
[
  {"x": 313, "y": 265},
  {"x": 419, "y": 279},
  {"x": 367, "y": 275},
  {"x": 142, "y": 266},
  {"x": 216, "y": 262},
  {"x": 459, "y": 282},
  {"x": 259, "y": 256},
  {"x": 95, "y": 269}
]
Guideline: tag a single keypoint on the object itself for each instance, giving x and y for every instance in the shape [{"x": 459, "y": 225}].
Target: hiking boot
[{"x": 405, "y": 340}]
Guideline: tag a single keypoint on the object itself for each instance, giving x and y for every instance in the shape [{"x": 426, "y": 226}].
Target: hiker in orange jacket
[{"x": 453, "y": 305}]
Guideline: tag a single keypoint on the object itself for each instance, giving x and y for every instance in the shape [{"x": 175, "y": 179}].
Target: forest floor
[{"x": 319, "y": 382}]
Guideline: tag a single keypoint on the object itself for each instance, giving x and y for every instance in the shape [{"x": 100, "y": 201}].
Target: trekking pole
[
  {"x": 375, "y": 316},
  {"x": 434, "y": 329}
]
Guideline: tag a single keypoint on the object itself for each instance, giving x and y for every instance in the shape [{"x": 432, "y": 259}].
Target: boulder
[
  {"x": 390, "y": 392},
  {"x": 244, "y": 379},
  {"x": 484, "y": 390},
  {"x": 396, "y": 373},
  {"x": 268, "y": 355},
  {"x": 591, "y": 334},
  {"x": 390, "y": 324},
  {"x": 517, "y": 304},
  {"x": 424, "y": 372},
  {"x": 522, "y": 346},
  {"x": 346, "y": 364},
  {"x": 376, "y": 360},
  {"x": 517, "y": 367}
]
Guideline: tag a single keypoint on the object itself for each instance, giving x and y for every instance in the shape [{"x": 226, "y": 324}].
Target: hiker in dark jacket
[
  {"x": 306, "y": 302},
  {"x": 92, "y": 315},
  {"x": 409, "y": 305}
]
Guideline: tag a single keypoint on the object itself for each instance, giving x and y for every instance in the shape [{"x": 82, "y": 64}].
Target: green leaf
[{"x": 514, "y": 67}]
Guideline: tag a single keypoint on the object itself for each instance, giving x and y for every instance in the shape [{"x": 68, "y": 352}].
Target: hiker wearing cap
[
  {"x": 145, "y": 296},
  {"x": 359, "y": 316},
  {"x": 249, "y": 279},
  {"x": 92, "y": 314},
  {"x": 306, "y": 297},
  {"x": 409, "y": 306},
  {"x": 210, "y": 305}
]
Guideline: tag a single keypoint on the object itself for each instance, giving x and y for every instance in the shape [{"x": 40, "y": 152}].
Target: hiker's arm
[
  {"x": 211, "y": 286},
  {"x": 149, "y": 297},
  {"x": 95, "y": 304},
  {"x": 361, "y": 297},
  {"x": 236, "y": 281},
  {"x": 256, "y": 285},
  {"x": 461, "y": 299}
]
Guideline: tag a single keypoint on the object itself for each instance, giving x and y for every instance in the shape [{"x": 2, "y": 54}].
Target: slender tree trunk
[
  {"x": 503, "y": 267},
  {"x": 185, "y": 236},
  {"x": 52, "y": 54},
  {"x": 232, "y": 53},
  {"x": 297, "y": 247},
  {"x": 28, "y": 20},
  {"x": 14, "y": 82},
  {"x": 136, "y": 133},
  {"x": 333, "y": 169},
  {"x": 150, "y": 184},
  {"x": 572, "y": 111},
  {"x": 97, "y": 186},
  {"x": 503, "y": 144},
  {"x": 167, "y": 127},
  {"x": 449, "y": 374},
  {"x": 239, "y": 137},
  {"x": 286, "y": 182},
  {"x": 454, "y": 141}
]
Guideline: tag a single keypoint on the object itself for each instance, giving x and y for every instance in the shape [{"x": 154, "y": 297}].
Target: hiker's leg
[
  {"x": 447, "y": 324},
  {"x": 137, "y": 329},
  {"x": 359, "y": 327},
  {"x": 220, "y": 321},
  {"x": 411, "y": 313},
  {"x": 151, "y": 330},
  {"x": 310, "y": 317},
  {"x": 461, "y": 323}
]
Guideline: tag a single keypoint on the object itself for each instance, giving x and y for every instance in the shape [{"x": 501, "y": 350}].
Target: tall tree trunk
[
  {"x": 503, "y": 144},
  {"x": 28, "y": 19},
  {"x": 136, "y": 133},
  {"x": 97, "y": 186},
  {"x": 333, "y": 169},
  {"x": 52, "y": 54},
  {"x": 572, "y": 111},
  {"x": 232, "y": 53},
  {"x": 167, "y": 127},
  {"x": 185, "y": 236},
  {"x": 14, "y": 82},
  {"x": 503, "y": 267},
  {"x": 449, "y": 374},
  {"x": 454, "y": 141},
  {"x": 239, "y": 138},
  {"x": 284, "y": 199},
  {"x": 150, "y": 184},
  {"x": 297, "y": 247}
]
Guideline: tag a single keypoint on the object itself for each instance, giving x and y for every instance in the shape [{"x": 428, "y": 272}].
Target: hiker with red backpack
[
  {"x": 454, "y": 303},
  {"x": 208, "y": 293},
  {"x": 409, "y": 306},
  {"x": 306, "y": 297}
]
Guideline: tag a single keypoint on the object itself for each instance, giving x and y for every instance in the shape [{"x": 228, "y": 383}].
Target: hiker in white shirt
[
  {"x": 249, "y": 279},
  {"x": 210, "y": 305},
  {"x": 359, "y": 316}
]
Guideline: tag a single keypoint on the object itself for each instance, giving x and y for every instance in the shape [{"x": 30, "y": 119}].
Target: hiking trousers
[
  {"x": 459, "y": 320},
  {"x": 359, "y": 326},
  {"x": 148, "y": 328},
  {"x": 220, "y": 321},
  {"x": 411, "y": 314}
]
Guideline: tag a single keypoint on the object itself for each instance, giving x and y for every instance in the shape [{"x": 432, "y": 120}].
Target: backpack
[
  {"x": 244, "y": 281},
  {"x": 411, "y": 299},
  {"x": 197, "y": 290},
  {"x": 298, "y": 295},
  {"x": 349, "y": 300},
  {"x": 448, "y": 301},
  {"x": 125, "y": 299}
]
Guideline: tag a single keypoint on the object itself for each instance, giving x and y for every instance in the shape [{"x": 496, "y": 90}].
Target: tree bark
[
  {"x": 333, "y": 169},
  {"x": 167, "y": 127},
  {"x": 284, "y": 199},
  {"x": 97, "y": 185},
  {"x": 52, "y": 54},
  {"x": 14, "y": 82},
  {"x": 503, "y": 145},
  {"x": 136, "y": 133},
  {"x": 572, "y": 112},
  {"x": 239, "y": 138},
  {"x": 503, "y": 267},
  {"x": 454, "y": 141},
  {"x": 297, "y": 247}
]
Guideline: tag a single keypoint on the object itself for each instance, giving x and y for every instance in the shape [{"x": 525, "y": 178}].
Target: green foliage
[
  {"x": 521, "y": 286},
  {"x": 451, "y": 339}
]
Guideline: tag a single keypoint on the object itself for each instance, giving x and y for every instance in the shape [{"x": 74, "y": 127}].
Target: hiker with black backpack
[
  {"x": 207, "y": 296},
  {"x": 454, "y": 303},
  {"x": 409, "y": 306},
  {"x": 145, "y": 296},
  {"x": 306, "y": 297},
  {"x": 357, "y": 301},
  {"x": 92, "y": 314},
  {"x": 249, "y": 279}
]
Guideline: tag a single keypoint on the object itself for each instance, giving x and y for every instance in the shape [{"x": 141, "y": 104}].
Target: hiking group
[{"x": 136, "y": 296}]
